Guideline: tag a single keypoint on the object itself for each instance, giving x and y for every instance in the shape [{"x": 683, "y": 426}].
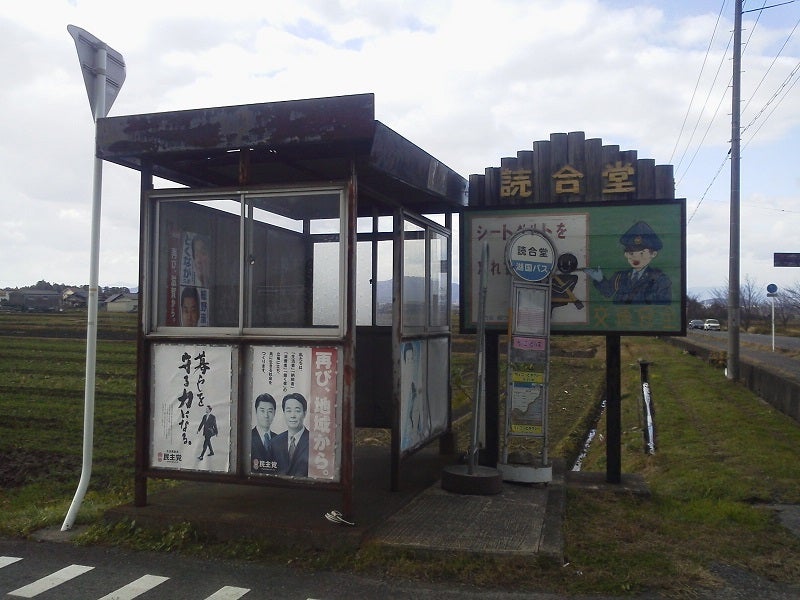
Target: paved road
[
  {"x": 62, "y": 571},
  {"x": 757, "y": 347},
  {"x": 55, "y": 570},
  {"x": 784, "y": 342}
]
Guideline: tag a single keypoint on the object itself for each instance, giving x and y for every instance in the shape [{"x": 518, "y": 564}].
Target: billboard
[{"x": 620, "y": 267}]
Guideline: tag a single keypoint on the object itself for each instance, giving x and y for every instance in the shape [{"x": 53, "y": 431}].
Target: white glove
[{"x": 595, "y": 273}]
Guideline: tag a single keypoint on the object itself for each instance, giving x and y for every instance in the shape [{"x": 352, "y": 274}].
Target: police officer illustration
[{"x": 641, "y": 283}]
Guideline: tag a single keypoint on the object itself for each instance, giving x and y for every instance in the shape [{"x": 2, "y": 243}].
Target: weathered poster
[
  {"x": 295, "y": 422},
  {"x": 188, "y": 279},
  {"x": 191, "y": 407},
  {"x": 415, "y": 413},
  {"x": 527, "y": 402},
  {"x": 569, "y": 234},
  {"x": 529, "y": 316}
]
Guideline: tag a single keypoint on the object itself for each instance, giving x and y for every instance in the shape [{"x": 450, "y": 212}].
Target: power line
[
  {"x": 772, "y": 64},
  {"x": 697, "y": 83},
  {"x": 785, "y": 93},
  {"x": 703, "y": 196},
  {"x": 780, "y": 94},
  {"x": 766, "y": 7},
  {"x": 722, "y": 97},
  {"x": 705, "y": 134},
  {"x": 705, "y": 104}
]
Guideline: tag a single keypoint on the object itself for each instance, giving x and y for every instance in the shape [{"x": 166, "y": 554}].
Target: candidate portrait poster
[
  {"x": 188, "y": 296},
  {"x": 191, "y": 407},
  {"x": 304, "y": 384}
]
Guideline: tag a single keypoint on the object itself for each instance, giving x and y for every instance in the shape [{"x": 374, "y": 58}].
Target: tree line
[
  {"x": 755, "y": 307},
  {"x": 43, "y": 285}
]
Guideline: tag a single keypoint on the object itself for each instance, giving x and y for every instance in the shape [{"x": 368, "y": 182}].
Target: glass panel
[
  {"x": 197, "y": 258},
  {"x": 386, "y": 224},
  {"x": 325, "y": 226},
  {"x": 438, "y": 280},
  {"x": 364, "y": 283},
  {"x": 291, "y": 283},
  {"x": 326, "y": 284},
  {"x": 439, "y": 219},
  {"x": 414, "y": 313},
  {"x": 383, "y": 315},
  {"x": 438, "y": 380},
  {"x": 364, "y": 224}
]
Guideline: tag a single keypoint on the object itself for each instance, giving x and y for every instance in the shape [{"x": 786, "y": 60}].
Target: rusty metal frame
[{"x": 271, "y": 144}]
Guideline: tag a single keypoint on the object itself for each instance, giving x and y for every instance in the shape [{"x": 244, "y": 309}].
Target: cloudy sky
[{"x": 468, "y": 81}]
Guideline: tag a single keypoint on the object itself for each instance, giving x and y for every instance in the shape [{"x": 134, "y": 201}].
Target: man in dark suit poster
[
  {"x": 262, "y": 435},
  {"x": 290, "y": 448},
  {"x": 209, "y": 427}
]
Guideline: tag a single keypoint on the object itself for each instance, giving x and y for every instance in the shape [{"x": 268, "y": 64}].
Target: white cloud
[{"x": 468, "y": 82}]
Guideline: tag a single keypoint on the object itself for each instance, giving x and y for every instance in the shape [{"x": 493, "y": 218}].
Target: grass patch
[{"x": 722, "y": 454}]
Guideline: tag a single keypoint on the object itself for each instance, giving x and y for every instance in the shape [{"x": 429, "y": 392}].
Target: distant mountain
[
  {"x": 701, "y": 293},
  {"x": 415, "y": 286}
]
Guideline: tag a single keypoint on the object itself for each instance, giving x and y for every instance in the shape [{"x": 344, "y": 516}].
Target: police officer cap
[{"x": 639, "y": 237}]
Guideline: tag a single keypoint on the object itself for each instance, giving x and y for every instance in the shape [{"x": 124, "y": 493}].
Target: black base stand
[{"x": 483, "y": 481}]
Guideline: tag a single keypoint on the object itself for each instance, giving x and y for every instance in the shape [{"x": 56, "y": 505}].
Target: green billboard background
[{"x": 593, "y": 235}]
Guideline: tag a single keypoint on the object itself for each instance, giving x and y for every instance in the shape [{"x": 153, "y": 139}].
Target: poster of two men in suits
[{"x": 294, "y": 412}]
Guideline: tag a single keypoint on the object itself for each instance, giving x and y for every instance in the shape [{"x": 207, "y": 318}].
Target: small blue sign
[{"x": 530, "y": 255}]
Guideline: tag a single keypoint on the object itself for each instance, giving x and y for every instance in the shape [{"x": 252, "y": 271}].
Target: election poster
[
  {"x": 192, "y": 407},
  {"x": 295, "y": 427}
]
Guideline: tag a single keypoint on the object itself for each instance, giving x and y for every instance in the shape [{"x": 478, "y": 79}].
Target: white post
[
  {"x": 91, "y": 328},
  {"x": 773, "y": 323}
]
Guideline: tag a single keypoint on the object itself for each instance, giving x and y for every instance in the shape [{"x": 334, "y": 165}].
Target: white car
[{"x": 711, "y": 325}]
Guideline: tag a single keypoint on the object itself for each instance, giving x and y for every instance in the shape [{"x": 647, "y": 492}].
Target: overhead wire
[
  {"x": 713, "y": 117},
  {"x": 778, "y": 91},
  {"x": 722, "y": 165},
  {"x": 772, "y": 64},
  {"x": 785, "y": 88},
  {"x": 722, "y": 96},
  {"x": 696, "y": 86},
  {"x": 794, "y": 74}
]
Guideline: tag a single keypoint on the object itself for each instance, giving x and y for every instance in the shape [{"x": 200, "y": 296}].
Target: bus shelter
[{"x": 295, "y": 281}]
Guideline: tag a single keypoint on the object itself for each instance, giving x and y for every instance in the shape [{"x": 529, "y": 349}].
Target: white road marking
[
  {"x": 8, "y": 560},
  {"x": 127, "y": 592},
  {"x": 136, "y": 588},
  {"x": 47, "y": 583},
  {"x": 228, "y": 593}
]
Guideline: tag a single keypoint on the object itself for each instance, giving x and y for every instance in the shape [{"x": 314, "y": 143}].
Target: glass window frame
[
  {"x": 430, "y": 228},
  {"x": 151, "y": 276}
]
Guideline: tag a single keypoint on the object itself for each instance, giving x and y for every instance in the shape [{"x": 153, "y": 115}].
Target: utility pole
[{"x": 733, "y": 261}]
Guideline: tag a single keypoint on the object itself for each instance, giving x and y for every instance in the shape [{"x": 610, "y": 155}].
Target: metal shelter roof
[{"x": 287, "y": 142}]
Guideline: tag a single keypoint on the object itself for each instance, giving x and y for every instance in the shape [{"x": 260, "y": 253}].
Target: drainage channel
[{"x": 589, "y": 437}]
